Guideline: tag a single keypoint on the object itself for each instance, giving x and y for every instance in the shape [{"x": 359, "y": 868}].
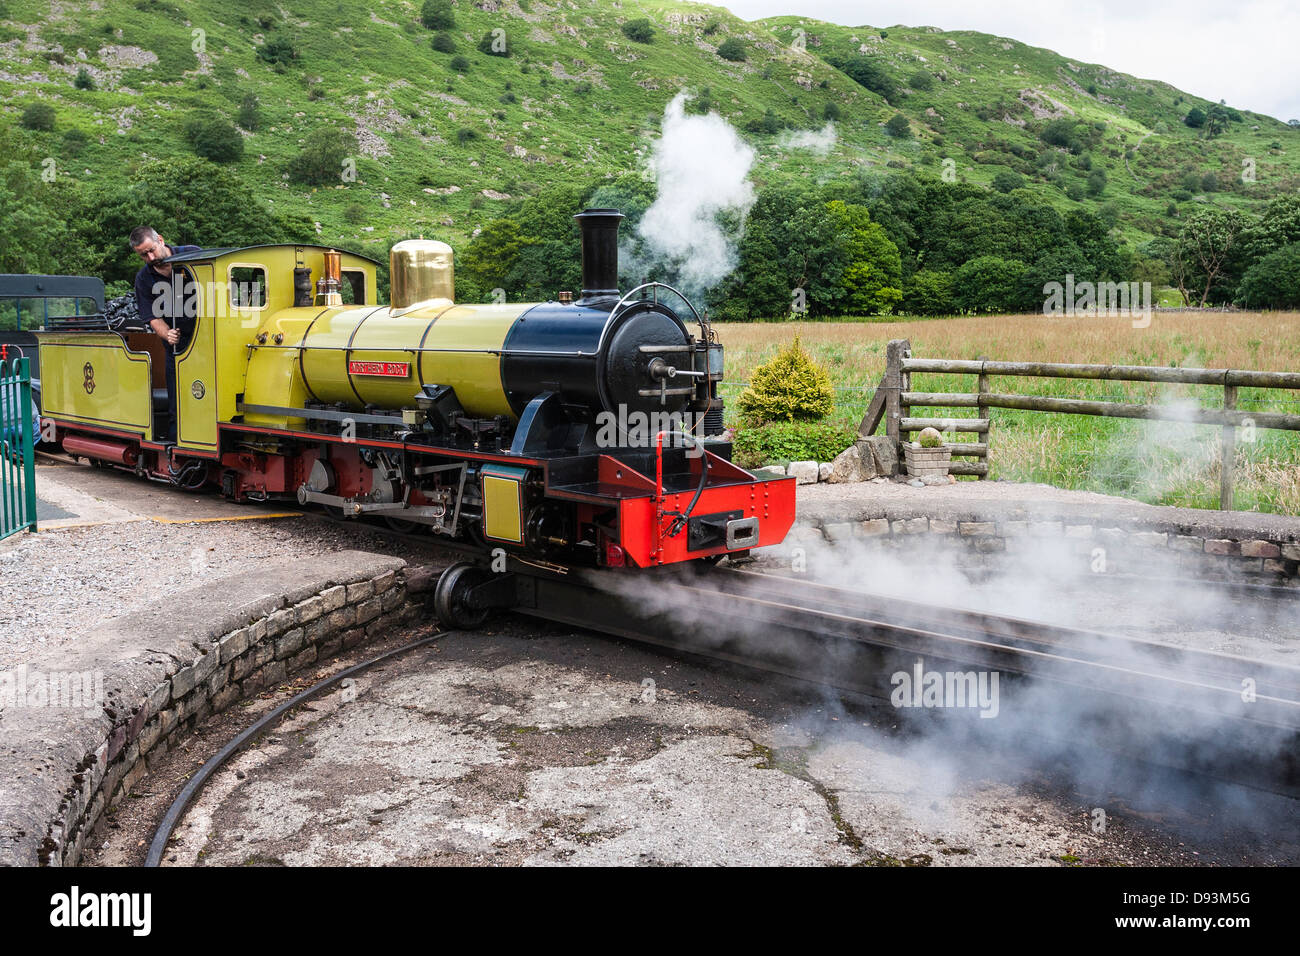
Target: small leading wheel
[{"x": 449, "y": 596}]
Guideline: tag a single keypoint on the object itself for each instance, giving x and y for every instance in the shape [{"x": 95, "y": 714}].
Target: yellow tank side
[{"x": 461, "y": 349}]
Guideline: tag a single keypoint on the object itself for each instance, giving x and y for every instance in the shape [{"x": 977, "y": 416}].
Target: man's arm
[{"x": 144, "y": 300}]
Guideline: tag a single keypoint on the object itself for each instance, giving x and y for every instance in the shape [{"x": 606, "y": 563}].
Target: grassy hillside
[{"x": 445, "y": 146}]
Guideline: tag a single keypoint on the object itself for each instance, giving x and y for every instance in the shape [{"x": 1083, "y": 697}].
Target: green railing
[{"x": 17, "y": 439}]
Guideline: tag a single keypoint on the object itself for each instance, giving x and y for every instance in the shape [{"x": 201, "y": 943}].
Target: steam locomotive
[{"x": 581, "y": 431}]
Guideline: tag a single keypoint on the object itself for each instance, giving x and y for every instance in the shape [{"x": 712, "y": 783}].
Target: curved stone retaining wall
[
  {"x": 1232, "y": 546},
  {"x": 163, "y": 671}
]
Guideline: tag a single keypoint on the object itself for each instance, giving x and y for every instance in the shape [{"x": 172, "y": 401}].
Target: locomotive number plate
[{"x": 388, "y": 369}]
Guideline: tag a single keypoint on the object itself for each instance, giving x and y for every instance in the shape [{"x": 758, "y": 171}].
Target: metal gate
[{"x": 17, "y": 439}]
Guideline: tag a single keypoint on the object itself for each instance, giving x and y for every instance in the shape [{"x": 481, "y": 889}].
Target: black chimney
[{"x": 599, "y": 252}]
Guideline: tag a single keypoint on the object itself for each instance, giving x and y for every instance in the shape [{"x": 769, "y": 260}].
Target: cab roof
[{"x": 201, "y": 255}]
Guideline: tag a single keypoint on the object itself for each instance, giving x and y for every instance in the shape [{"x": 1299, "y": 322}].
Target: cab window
[
  {"x": 354, "y": 287},
  {"x": 247, "y": 287}
]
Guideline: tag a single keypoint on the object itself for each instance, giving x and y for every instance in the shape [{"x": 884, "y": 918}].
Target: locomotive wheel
[{"x": 449, "y": 597}]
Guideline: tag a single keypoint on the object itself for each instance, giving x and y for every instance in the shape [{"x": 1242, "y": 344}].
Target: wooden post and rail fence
[{"x": 894, "y": 400}]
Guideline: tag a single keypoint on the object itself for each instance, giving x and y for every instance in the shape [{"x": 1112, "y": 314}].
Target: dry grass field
[{"x": 1160, "y": 462}]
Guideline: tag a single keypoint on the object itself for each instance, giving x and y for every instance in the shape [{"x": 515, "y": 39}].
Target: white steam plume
[
  {"x": 701, "y": 166},
  {"x": 820, "y": 141}
]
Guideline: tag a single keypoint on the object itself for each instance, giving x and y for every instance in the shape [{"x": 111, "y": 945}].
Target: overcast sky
[{"x": 1242, "y": 51}]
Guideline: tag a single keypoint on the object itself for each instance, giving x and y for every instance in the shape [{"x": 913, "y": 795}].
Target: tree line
[{"x": 874, "y": 245}]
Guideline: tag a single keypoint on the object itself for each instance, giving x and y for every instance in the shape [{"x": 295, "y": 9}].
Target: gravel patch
[{"x": 59, "y": 583}]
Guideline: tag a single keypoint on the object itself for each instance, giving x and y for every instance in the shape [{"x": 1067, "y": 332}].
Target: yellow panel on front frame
[{"x": 502, "y": 509}]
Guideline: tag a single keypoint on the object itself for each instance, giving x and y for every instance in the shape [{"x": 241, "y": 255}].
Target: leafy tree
[
  {"x": 1217, "y": 118},
  {"x": 532, "y": 252},
  {"x": 1007, "y": 180},
  {"x": 1195, "y": 117},
  {"x": 495, "y": 43},
  {"x": 1055, "y": 265},
  {"x": 898, "y": 126},
  {"x": 84, "y": 80},
  {"x": 187, "y": 200},
  {"x": 872, "y": 277},
  {"x": 279, "y": 51},
  {"x": 321, "y": 160},
  {"x": 74, "y": 141},
  {"x": 1273, "y": 282},
  {"x": 33, "y": 213},
  {"x": 1069, "y": 134},
  {"x": 701, "y": 102},
  {"x": 867, "y": 71},
  {"x": 1210, "y": 183},
  {"x": 214, "y": 138},
  {"x": 639, "y": 30},
  {"x": 438, "y": 15},
  {"x": 443, "y": 43},
  {"x": 1091, "y": 236},
  {"x": 38, "y": 116},
  {"x": 1206, "y": 247},
  {"x": 732, "y": 49},
  {"x": 831, "y": 112},
  {"x": 484, "y": 263},
  {"x": 1278, "y": 226},
  {"x": 921, "y": 80},
  {"x": 929, "y": 293},
  {"x": 1097, "y": 182},
  {"x": 770, "y": 123},
  {"x": 990, "y": 284},
  {"x": 461, "y": 65}
]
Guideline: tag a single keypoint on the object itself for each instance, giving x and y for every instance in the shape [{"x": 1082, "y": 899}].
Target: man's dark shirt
[{"x": 166, "y": 306}]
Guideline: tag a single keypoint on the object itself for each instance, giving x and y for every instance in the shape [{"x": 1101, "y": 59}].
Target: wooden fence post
[
  {"x": 983, "y": 411},
  {"x": 892, "y": 386},
  {"x": 1229, "y": 454}
]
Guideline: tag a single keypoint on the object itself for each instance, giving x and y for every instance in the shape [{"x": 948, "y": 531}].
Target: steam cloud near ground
[{"x": 1042, "y": 727}]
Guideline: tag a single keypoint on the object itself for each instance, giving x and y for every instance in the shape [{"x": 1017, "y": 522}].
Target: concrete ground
[
  {"x": 535, "y": 745},
  {"x": 72, "y": 496}
]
